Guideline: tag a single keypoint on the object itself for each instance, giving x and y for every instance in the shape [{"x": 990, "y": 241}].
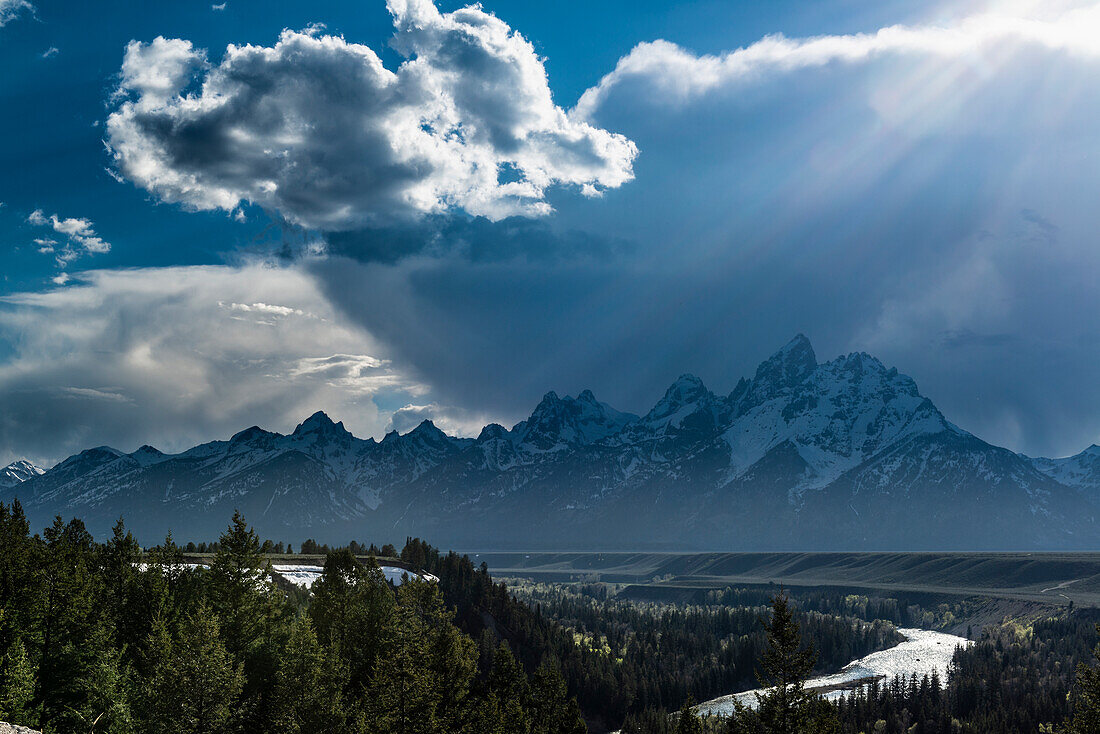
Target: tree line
[
  {"x": 107, "y": 637},
  {"x": 103, "y": 637},
  {"x": 654, "y": 656}
]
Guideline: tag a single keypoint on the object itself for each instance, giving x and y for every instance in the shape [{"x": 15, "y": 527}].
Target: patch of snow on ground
[
  {"x": 304, "y": 576},
  {"x": 922, "y": 652}
]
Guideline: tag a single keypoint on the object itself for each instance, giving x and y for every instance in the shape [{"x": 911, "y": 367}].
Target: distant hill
[{"x": 844, "y": 455}]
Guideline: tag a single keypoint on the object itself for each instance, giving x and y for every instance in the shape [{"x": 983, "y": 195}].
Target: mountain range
[{"x": 838, "y": 455}]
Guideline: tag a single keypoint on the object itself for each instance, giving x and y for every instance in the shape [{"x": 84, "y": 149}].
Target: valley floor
[{"x": 1013, "y": 581}]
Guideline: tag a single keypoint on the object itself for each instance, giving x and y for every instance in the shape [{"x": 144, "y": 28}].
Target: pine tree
[
  {"x": 120, "y": 558},
  {"x": 71, "y": 638},
  {"x": 552, "y": 711},
  {"x": 16, "y": 683},
  {"x": 196, "y": 687},
  {"x": 406, "y": 696},
  {"x": 1086, "y": 698},
  {"x": 786, "y": 707},
  {"x": 309, "y": 686},
  {"x": 509, "y": 692},
  {"x": 687, "y": 722},
  {"x": 240, "y": 588},
  {"x": 108, "y": 689},
  {"x": 353, "y": 611}
]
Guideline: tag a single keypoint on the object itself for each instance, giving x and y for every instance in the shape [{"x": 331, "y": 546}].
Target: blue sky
[{"x": 441, "y": 220}]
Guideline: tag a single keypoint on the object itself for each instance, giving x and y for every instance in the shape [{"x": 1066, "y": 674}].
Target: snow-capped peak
[
  {"x": 250, "y": 434},
  {"x": 785, "y": 369},
  {"x": 492, "y": 432},
  {"x": 18, "y": 472},
  {"x": 1081, "y": 471},
  {"x": 559, "y": 422},
  {"x": 319, "y": 422},
  {"x": 684, "y": 397},
  {"x": 428, "y": 431},
  {"x": 148, "y": 455},
  {"x": 835, "y": 415}
]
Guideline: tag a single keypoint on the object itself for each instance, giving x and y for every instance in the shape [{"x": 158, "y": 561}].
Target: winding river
[{"x": 922, "y": 652}]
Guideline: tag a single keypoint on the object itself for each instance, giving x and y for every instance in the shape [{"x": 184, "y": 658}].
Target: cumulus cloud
[
  {"x": 80, "y": 237},
  {"x": 10, "y": 9},
  {"x": 317, "y": 129},
  {"x": 927, "y": 201},
  {"x": 266, "y": 308},
  {"x": 355, "y": 374},
  {"x": 157, "y": 356},
  {"x": 450, "y": 420},
  {"x": 677, "y": 75}
]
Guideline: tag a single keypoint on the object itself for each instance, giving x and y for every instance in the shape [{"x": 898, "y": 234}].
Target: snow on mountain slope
[
  {"x": 18, "y": 472},
  {"x": 837, "y": 414},
  {"x": 1081, "y": 471},
  {"x": 841, "y": 454},
  {"x": 560, "y": 423}
]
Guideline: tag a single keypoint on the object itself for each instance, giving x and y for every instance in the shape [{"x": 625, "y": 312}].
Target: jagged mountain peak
[
  {"x": 550, "y": 398},
  {"x": 492, "y": 432},
  {"x": 427, "y": 428},
  {"x": 788, "y": 367},
  {"x": 684, "y": 397},
  {"x": 587, "y": 396},
  {"x": 569, "y": 421},
  {"x": 18, "y": 472},
  {"x": 835, "y": 414},
  {"x": 686, "y": 389},
  {"x": 1081, "y": 471},
  {"x": 831, "y": 444},
  {"x": 426, "y": 437},
  {"x": 23, "y": 465},
  {"x": 148, "y": 455},
  {"x": 319, "y": 422}
]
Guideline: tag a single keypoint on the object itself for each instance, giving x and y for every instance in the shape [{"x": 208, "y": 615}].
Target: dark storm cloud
[
  {"x": 475, "y": 239},
  {"x": 921, "y": 194},
  {"x": 915, "y": 206}
]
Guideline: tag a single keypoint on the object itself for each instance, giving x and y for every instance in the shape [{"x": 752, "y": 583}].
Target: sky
[{"x": 221, "y": 215}]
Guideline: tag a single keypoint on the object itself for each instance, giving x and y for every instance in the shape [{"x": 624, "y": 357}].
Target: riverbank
[{"x": 922, "y": 653}]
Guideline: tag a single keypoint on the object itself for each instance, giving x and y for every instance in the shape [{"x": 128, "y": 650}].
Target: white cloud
[
  {"x": 155, "y": 355},
  {"x": 80, "y": 237},
  {"x": 675, "y": 75},
  {"x": 450, "y": 420},
  {"x": 95, "y": 394},
  {"x": 266, "y": 308},
  {"x": 218, "y": 6},
  {"x": 318, "y": 130},
  {"x": 51, "y": 51},
  {"x": 358, "y": 374},
  {"x": 9, "y": 9}
]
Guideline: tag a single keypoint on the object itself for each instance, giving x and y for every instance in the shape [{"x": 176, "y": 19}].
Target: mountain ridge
[{"x": 843, "y": 454}]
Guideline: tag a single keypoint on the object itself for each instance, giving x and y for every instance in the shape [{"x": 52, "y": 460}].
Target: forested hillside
[
  {"x": 115, "y": 638},
  {"x": 106, "y": 638}
]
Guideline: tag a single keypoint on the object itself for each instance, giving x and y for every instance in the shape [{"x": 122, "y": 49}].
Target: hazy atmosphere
[
  {"x": 552, "y": 196},
  {"x": 511, "y": 367}
]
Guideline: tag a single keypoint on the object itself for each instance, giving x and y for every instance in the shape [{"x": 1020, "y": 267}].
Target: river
[{"x": 922, "y": 652}]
